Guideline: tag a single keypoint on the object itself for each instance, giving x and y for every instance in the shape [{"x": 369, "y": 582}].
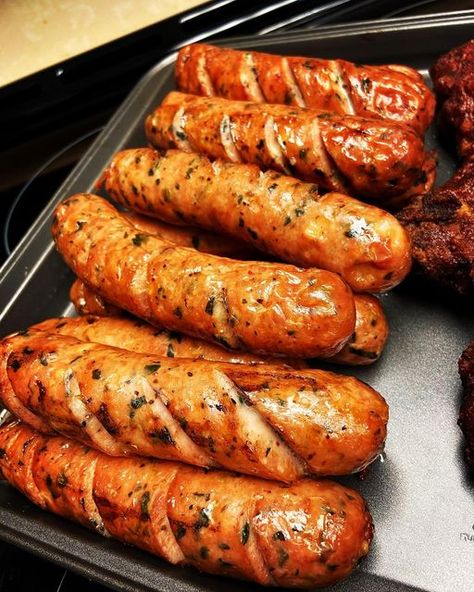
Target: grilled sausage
[
  {"x": 41, "y": 467},
  {"x": 271, "y": 421},
  {"x": 391, "y": 92},
  {"x": 138, "y": 336},
  {"x": 368, "y": 341},
  {"x": 379, "y": 160},
  {"x": 11, "y": 401},
  {"x": 312, "y": 533},
  {"x": 368, "y": 247},
  {"x": 364, "y": 347},
  {"x": 18, "y": 445},
  {"x": 195, "y": 238},
  {"x": 258, "y": 306},
  {"x": 88, "y": 302}
]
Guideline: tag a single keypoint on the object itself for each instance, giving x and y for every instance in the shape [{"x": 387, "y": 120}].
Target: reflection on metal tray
[{"x": 420, "y": 495}]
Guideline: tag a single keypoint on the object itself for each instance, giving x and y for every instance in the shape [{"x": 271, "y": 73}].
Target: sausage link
[
  {"x": 364, "y": 347},
  {"x": 367, "y": 246},
  {"x": 258, "y": 306},
  {"x": 11, "y": 401},
  {"x": 138, "y": 336},
  {"x": 374, "y": 159},
  {"x": 392, "y": 92},
  {"x": 194, "y": 238},
  {"x": 270, "y": 421},
  {"x": 368, "y": 341},
  {"x": 312, "y": 533},
  {"x": 88, "y": 302},
  {"x": 17, "y": 449}
]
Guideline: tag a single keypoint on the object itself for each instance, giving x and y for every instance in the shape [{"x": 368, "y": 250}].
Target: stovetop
[{"x": 49, "y": 119}]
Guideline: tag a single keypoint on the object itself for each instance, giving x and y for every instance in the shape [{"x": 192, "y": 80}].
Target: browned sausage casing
[
  {"x": 364, "y": 347},
  {"x": 370, "y": 158},
  {"x": 392, "y": 92},
  {"x": 367, "y": 246},
  {"x": 139, "y": 336},
  {"x": 195, "y": 238},
  {"x": 88, "y": 302},
  {"x": 11, "y": 401},
  {"x": 258, "y": 306},
  {"x": 274, "y": 422},
  {"x": 310, "y": 534},
  {"x": 371, "y": 332}
]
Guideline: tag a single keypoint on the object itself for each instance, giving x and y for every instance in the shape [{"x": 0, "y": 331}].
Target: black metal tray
[{"x": 420, "y": 494}]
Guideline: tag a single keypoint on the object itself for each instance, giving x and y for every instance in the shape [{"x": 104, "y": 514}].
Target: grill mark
[
  {"x": 183, "y": 444},
  {"x": 89, "y": 501},
  {"x": 249, "y": 79},
  {"x": 273, "y": 144},
  {"x": 89, "y": 422},
  {"x": 325, "y": 163},
  {"x": 249, "y": 418},
  {"x": 299, "y": 461},
  {"x": 292, "y": 83},
  {"x": 221, "y": 318},
  {"x": 17, "y": 406},
  {"x": 342, "y": 85},
  {"x": 203, "y": 77},
  {"x": 251, "y": 391},
  {"x": 319, "y": 149},
  {"x": 178, "y": 130},
  {"x": 19, "y": 465},
  {"x": 166, "y": 539},
  {"x": 227, "y": 141}
]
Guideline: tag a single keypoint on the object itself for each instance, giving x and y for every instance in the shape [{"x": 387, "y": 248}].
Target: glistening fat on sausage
[
  {"x": 364, "y": 347},
  {"x": 258, "y": 306},
  {"x": 312, "y": 533},
  {"x": 367, "y": 246},
  {"x": 369, "y": 158},
  {"x": 141, "y": 337},
  {"x": 195, "y": 238},
  {"x": 393, "y": 92},
  {"x": 371, "y": 332},
  {"x": 88, "y": 302},
  {"x": 274, "y": 422}
]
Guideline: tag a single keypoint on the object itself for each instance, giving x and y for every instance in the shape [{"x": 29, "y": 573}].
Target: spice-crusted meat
[
  {"x": 466, "y": 415},
  {"x": 370, "y": 158},
  {"x": 310, "y": 534},
  {"x": 88, "y": 302},
  {"x": 367, "y": 246},
  {"x": 274, "y": 422},
  {"x": 392, "y": 92},
  {"x": 371, "y": 331},
  {"x": 453, "y": 80},
  {"x": 270, "y": 308},
  {"x": 441, "y": 228},
  {"x": 364, "y": 347},
  {"x": 195, "y": 238},
  {"x": 139, "y": 336}
]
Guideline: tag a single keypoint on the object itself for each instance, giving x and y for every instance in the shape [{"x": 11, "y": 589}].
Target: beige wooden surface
[{"x": 39, "y": 33}]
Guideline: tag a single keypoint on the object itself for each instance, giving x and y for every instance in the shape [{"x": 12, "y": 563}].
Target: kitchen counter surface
[{"x": 39, "y": 33}]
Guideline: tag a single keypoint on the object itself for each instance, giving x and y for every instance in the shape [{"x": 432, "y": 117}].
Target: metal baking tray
[{"x": 420, "y": 493}]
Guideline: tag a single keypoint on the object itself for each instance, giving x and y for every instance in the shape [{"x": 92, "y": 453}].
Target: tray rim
[
  {"x": 329, "y": 31},
  {"x": 17, "y": 270}
]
